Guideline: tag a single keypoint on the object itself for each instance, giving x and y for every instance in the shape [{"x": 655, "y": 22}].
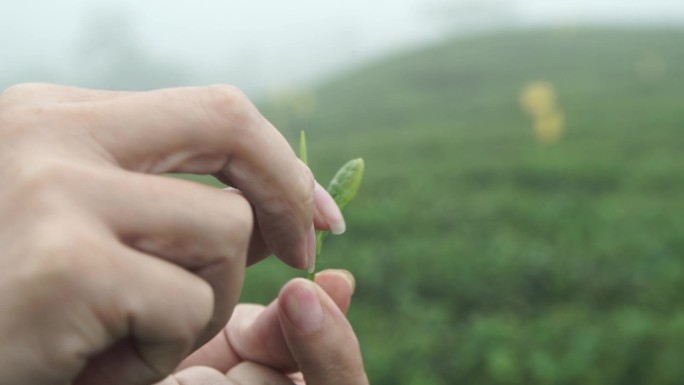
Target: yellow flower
[{"x": 539, "y": 100}]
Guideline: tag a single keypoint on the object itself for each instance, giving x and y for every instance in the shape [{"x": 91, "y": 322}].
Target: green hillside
[{"x": 482, "y": 254}]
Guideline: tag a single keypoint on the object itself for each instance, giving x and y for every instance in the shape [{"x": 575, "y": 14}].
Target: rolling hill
[{"x": 487, "y": 253}]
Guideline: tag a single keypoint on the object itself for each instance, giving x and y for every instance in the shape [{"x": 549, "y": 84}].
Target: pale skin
[{"x": 111, "y": 274}]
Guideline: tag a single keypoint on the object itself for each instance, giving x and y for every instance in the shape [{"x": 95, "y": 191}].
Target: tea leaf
[{"x": 343, "y": 188}]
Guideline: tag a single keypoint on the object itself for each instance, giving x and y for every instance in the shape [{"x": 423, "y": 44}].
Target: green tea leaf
[
  {"x": 345, "y": 184},
  {"x": 343, "y": 188}
]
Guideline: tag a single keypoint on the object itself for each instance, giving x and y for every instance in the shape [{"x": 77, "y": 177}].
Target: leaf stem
[{"x": 304, "y": 156}]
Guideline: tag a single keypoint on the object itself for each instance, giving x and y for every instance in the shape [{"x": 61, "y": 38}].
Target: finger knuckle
[
  {"x": 202, "y": 295},
  {"x": 228, "y": 106},
  {"x": 241, "y": 227},
  {"x": 226, "y": 93},
  {"x": 299, "y": 206},
  {"x": 22, "y": 114},
  {"x": 22, "y": 90},
  {"x": 45, "y": 184},
  {"x": 187, "y": 313},
  {"x": 61, "y": 254},
  {"x": 305, "y": 183}
]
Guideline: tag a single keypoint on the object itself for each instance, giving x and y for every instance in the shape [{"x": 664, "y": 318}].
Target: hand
[
  {"x": 284, "y": 342},
  {"x": 117, "y": 275}
]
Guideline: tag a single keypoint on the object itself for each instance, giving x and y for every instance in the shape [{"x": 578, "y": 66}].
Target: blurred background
[{"x": 522, "y": 216}]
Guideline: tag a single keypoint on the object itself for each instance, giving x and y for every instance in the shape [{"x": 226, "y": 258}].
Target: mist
[{"x": 262, "y": 45}]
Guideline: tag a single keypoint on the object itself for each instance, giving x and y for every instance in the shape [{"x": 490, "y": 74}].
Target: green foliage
[
  {"x": 485, "y": 257},
  {"x": 346, "y": 182},
  {"x": 303, "y": 151},
  {"x": 343, "y": 188}
]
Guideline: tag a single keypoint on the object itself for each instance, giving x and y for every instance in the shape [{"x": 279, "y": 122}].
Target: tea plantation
[{"x": 486, "y": 253}]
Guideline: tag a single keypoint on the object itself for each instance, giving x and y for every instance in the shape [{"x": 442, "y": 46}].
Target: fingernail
[
  {"x": 347, "y": 277},
  {"x": 329, "y": 209},
  {"x": 303, "y": 307},
  {"x": 311, "y": 250}
]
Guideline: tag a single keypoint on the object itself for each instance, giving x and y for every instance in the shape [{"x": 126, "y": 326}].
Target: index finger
[{"x": 214, "y": 130}]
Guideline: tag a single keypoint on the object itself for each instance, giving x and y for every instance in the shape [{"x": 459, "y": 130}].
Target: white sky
[{"x": 271, "y": 43}]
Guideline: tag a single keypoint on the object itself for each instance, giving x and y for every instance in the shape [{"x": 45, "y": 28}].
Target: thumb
[{"x": 319, "y": 336}]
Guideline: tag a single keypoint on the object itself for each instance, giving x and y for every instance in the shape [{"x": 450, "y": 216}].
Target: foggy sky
[{"x": 264, "y": 44}]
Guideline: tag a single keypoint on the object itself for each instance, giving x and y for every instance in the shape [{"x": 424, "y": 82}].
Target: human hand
[
  {"x": 118, "y": 275},
  {"x": 282, "y": 343}
]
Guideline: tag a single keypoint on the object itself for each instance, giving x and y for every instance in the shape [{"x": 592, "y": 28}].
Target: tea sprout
[{"x": 343, "y": 188}]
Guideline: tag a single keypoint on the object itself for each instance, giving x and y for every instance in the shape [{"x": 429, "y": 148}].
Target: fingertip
[
  {"x": 328, "y": 353},
  {"x": 338, "y": 285},
  {"x": 197, "y": 375},
  {"x": 329, "y": 210},
  {"x": 292, "y": 254},
  {"x": 300, "y": 304},
  {"x": 344, "y": 274},
  {"x": 253, "y": 373},
  {"x": 319, "y": 221},
  {"x": 290, "y": 285},
  {"x": 338, "y": 228}
]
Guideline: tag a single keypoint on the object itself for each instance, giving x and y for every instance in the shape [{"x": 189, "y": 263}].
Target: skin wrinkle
[
  {"x": 228, "y": 106},
  {"x": 234, "y": 335},
  {"x": 259, "y": 341},
  {"x": 220, "y": 309},
  {"x": 202, "y": 163},
  {"x": 100, "y": 151},
  {"x": 156, "y": 344},
  {"x": 156, "y": 373},
  {"x": 193, "y": 241},
  {"x": 141, "y": 161},
  {"x": 231, "y": 349},
  {"x": 73, "y": 110},
  {"x": 170, "y": 162},
  {"x": 168, "y": 249}
]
